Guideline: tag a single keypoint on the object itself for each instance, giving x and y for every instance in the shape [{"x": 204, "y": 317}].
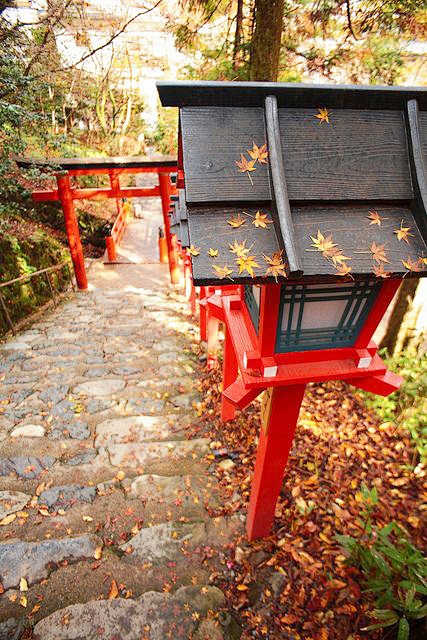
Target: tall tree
[{"x": 266, "y": 40}]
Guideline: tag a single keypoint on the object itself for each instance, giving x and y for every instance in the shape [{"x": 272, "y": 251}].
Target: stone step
[
  {"x": 155, "y": 456},
  {"x": 34, "y": 560},
  {"x": 139, "y": 429},
  {"x": 169, "y": 541},
  {"x": 185, "y": 491},
  {"x": 153, "y": 616}
]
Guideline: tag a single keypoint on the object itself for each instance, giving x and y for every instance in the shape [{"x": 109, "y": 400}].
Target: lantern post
[{"x": 296, "y": 198}]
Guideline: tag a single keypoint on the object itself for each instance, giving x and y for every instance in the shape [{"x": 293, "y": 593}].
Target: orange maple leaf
[
  {"x": 403, "y": 233},
  {"x": 277, "y": 267},
  {"x": 261, "y": 220},
  {"x": 114, "y": 592},
  {"x": 343, "y": 269},
  {"x": 380, "y": 272},
  {"x": 259, "y": 153},
  {"x": 325, "y": 245},
  {"x": 236, "y": 222},
  {"x": 378, "y": 253},
  {"x": 410, "y": 265},
  {"x": 323, "y": 115},
  {"x": 245, "y": 164},
  {"x": 375, "y": 218}
]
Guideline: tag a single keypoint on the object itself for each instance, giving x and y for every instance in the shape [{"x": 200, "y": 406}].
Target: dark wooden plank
[
  {"x": 358, "y": 155},
  {"x": 213, "y": 139},
  {"x": 418, "y": 165},
  {"x": 352, "y": 232},
  {"x": 113, "y": 162},
  {"x": 209, "y": 229},
  {"x": 279, "y": 189},
  {"x": 253, "y": 94},
  {"x": 184, "y": 233},
  {"x": 348, "y": 224}
]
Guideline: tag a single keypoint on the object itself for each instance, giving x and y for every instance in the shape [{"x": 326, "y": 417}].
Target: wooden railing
[
  {"x": 119, "y": 226},
  {"x": 22, "y": 279}
]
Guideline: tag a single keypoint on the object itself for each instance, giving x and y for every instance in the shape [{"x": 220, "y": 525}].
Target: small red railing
[{"x": 119, "y": 226}]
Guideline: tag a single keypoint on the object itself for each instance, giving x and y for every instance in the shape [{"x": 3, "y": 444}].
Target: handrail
[
  {"x": 34, "y": 273},
  {"x": 116, "y": 233},
  {"x": 47, "y": 272}
]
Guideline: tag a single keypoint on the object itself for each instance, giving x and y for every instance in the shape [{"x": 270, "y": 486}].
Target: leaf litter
[{"x": 296, "y": 581}]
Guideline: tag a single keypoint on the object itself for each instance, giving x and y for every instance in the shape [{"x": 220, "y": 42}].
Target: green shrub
[
  {"x": 407, "y": 407},
  {"x": 393, "y": 570}
]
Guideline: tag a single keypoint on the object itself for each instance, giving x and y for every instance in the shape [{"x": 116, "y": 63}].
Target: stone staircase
[{"x": 104, "y": 497}]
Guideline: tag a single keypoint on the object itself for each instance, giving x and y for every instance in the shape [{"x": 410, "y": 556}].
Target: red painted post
[
  {"x": 193, "y": 299},
  {"x": 165, "y": 189},
  {"x": 203, "y": 314},
  {"x": 277, "y": 432},
  {"x": 212, "y": 326},
  {"x": 72, "y": 227},
  {"x": 230, "y": 371}
]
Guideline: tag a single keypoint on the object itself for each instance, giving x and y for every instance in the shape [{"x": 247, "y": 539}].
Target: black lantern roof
[{"x": 321, "y": 180}]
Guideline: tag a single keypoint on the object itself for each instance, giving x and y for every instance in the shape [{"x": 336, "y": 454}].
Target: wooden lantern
[{"x": 310, "y": 202}]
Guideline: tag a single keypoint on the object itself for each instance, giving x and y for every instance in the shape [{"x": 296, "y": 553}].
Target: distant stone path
[{"x": 101, "y": 491}]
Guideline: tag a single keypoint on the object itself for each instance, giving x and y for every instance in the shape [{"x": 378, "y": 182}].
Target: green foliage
[
  {"x": 407, "y": 407},
  {"x": 165, "y": 134},
  {"x": 24, "y": 256},
  {"x": 394, "y": 572}
]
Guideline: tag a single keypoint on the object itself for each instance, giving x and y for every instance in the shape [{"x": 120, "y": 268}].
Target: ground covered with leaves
[{"x": 296, "y": 583}]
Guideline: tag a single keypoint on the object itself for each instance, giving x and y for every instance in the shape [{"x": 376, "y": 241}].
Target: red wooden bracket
[
  {"x": 382, "y": 385},
  {"x": 239, "y": 395}
]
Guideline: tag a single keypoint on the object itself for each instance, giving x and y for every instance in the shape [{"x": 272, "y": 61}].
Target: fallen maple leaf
[
  {"x": 242, "y": 587},
  {"x": 236, "y": 221},
  {"x": 44, "y": 512},
  {"x": 380, "y": 272},
  {"x": 193, "y": 251},
  {"x": 403, "y": 233},
  {"x": 120, "y": 475},
  {"x": 98, "y": 553},
  {"x": 23, "y": 601},
  {"x": 289, "y": 618},
  {"x": 246, "y": 166},
  {"x": 410, "y": 266},
  {"x": 240, "y": 249},
  {"x": 222, "y": 272},
  {"x": 343, "y": 269},
  {"x": 247, "y": 263},
  {"x": 259, "y": 153},
  {"x": 277, "y": 267},
  {"x": 213, "y": 253},
  {"x": 378, "y": 253},
  {"x": 375, "y": 218},
  {"x": 323, "y": 115},
  {"x": 338, "y": 258},
  {"x": 87, "y": 518},
  {"x": 261, "y": 220},
  {"x": 325, "y": 245},
  {"x": 114, "y": 592}
]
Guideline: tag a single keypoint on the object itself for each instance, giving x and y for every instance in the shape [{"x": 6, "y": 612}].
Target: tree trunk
[
  {"x": 403, "y": 302},
  {"x": 238, "y": 35},
  {"x": 265, "y": 45}
]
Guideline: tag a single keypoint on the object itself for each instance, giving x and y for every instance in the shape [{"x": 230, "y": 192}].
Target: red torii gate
[{"x": 114, "y": 167}]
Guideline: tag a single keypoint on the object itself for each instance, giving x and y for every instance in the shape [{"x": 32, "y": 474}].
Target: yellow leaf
[
  {"x": 323, "y": 115},
  {"x": 277, "y": 267},
  {"x": 23, "y": 601},
  {"x": 61, "y": 512},
  {"x": 358, "y": 496},
  {"x": 8, "y": 519},
  {"x": 98, "y": 553},
  {"x": 120, "y": 475},
  {"x": 114, "y": 592},
  {"x": 23, "y": 514},
  {"x": 242, "y": 587},
  {"x": 193, "y": 251},
  {"x": 222, "y": 272},
  {"x": 259, "y": 153},
  {"x": 23, "y": 585},
  {"x": 403, "y": 233},
  {"x": 245, "y": 165},
  {"x": 213, "y": 253},
  {"x": 44, "y": 512},
  {"x": 87, "y": 518},
  {"x": 247, "y": 263}
]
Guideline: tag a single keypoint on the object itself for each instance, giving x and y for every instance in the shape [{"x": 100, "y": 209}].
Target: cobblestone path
[{"x": 104, "y": 496}]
